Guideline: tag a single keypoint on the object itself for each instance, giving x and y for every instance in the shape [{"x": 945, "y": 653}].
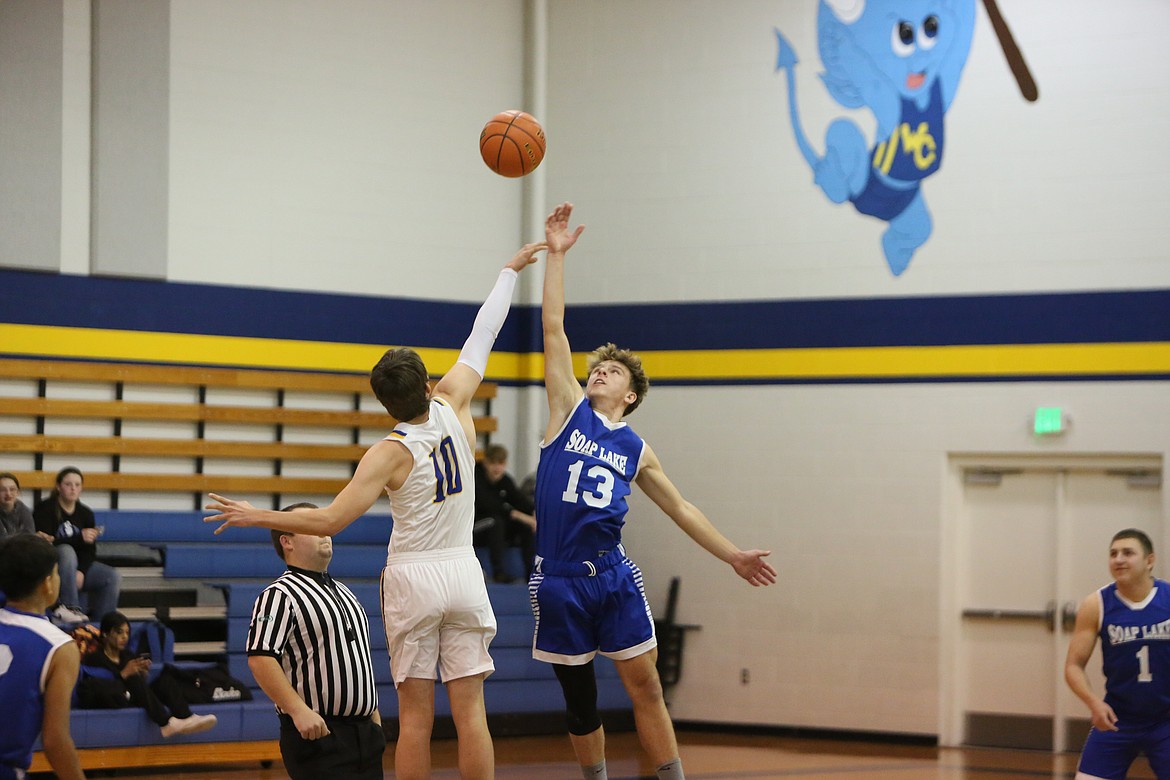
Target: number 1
[{"x": 1144, "y": 674}]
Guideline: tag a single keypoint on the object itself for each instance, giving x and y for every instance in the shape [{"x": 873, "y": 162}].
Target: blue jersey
[
  {"x": 1135, "y": 653},
  {"x": 899, "y": 164},
  {"x": 27, "y": 644},
  {"x": 582, "y": 481}
]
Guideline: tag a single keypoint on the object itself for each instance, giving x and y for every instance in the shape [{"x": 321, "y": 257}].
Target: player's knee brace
[{"x": 579, "y": 685}]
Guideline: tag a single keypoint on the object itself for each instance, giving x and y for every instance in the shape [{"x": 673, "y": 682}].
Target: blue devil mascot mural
[{"x": 902, "y": 60}]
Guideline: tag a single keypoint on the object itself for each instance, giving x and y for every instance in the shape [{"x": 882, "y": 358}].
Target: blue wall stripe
[
  {"x": 1056, "y": 318},
  {"x": 30, "y": 298},
  {"x": 146, "y": 305}
]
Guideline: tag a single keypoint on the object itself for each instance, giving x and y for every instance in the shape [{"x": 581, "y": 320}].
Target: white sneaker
[
  {"x": 197, "y": 723},
  {"x": 64, "y": 615},
  {"x": 173, "y": 726}
]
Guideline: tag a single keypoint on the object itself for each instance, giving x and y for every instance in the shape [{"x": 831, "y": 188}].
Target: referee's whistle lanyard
[{"x": 330, "y": 587}]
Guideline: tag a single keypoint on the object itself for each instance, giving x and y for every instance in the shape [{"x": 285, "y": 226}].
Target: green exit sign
[{"x": 1049, "y": 420}]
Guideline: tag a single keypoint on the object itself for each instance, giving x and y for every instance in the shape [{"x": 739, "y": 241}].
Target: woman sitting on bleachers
[
  {"x": 69, "y": 525},
  {"x": 112, "y": 677}
]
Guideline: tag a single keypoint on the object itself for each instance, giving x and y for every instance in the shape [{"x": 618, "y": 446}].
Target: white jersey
[{"x": 435, "y": 507}]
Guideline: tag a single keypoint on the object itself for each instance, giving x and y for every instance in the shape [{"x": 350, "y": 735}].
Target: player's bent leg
[
  {"x": 1156, "y": 746},
  {"x": 416, "y": 717},
  {"x": 477, "y": 759},
  {"x": 1107, "y": 755},
  {"x": 655, "y": 731},
  {"x": 579, "y": 686}
]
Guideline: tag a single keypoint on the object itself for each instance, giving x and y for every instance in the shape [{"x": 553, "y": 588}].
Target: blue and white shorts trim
[{"x": 579, "y": 616}]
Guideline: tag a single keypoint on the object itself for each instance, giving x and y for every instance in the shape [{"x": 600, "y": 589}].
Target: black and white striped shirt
[{"x": 317, "y": 629}]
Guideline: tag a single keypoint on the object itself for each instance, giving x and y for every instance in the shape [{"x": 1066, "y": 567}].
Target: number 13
[{"x": 604, "y": 479}]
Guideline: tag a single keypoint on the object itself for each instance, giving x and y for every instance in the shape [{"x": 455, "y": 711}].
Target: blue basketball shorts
[
  {"x": 578, "y": 617},
  {"x": 1109, "y": 754}
]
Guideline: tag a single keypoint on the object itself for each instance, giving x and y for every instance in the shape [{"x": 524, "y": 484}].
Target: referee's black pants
[{"x": 351, "y": 751}]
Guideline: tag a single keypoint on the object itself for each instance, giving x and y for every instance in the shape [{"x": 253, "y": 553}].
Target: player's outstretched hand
[
  {"x": 231, "y": 513},
  {"x": 526, "y": 256},
  {"x": 750, "y": 565},
  {"x": 556, "y": 229}
]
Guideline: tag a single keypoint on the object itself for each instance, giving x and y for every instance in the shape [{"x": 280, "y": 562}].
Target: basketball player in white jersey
[{"x": 434, "y": 600}]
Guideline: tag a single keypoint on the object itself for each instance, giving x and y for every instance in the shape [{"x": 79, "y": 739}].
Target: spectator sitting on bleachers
[
  {"x": 115, "y": 678},
  {"x": 69, "y": 524},
  {"x": 503, "y": 515},
  {"x": 15, "y": 517}
]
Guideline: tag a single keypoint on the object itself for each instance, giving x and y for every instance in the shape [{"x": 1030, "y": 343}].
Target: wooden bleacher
[
  {"x": 364, "y": 420},
  {"x": 262, "y": 751},
  {"x": 361, "y": 417}
]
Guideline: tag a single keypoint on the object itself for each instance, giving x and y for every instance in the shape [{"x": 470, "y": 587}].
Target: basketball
[{"x": 512, "y": 143}]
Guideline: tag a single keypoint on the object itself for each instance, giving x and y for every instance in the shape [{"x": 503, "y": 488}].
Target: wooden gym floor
[{"x": 713, "y": 756}]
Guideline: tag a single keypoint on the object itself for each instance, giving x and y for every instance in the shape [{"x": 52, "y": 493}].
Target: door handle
[{"x": 1046, "y": 615}]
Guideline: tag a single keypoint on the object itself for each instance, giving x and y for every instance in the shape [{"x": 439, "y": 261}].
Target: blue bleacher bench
[{"x": 241, "y": 563}]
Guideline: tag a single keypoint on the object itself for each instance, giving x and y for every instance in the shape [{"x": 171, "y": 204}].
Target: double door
[{"x": 1031, "y": 540}]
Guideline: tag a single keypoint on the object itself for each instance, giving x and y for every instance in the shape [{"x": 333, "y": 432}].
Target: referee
[{"x": 309, "y": 649}]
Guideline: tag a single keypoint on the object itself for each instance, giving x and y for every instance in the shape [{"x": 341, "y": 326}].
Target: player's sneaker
[{"x": 64, "y": 615}]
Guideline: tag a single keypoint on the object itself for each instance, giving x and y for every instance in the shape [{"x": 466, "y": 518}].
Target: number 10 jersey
[{"x": 435, "y": 507}]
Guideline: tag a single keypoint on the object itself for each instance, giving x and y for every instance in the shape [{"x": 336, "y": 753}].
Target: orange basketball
[{"x": 512, "y": 143}]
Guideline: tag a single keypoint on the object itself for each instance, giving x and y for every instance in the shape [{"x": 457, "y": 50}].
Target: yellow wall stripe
[
  {"x": 909, "y": 362},
  {"x": 980, "y": 361}
]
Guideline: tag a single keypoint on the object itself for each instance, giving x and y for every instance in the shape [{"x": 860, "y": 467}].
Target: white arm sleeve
[{"x": 488, "y": 323}]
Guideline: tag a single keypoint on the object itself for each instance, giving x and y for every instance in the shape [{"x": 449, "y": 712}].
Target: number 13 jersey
[{"x": 582, "y": 481}]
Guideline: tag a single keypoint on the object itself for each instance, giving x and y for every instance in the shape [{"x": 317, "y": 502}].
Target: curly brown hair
[{"x": 639, "y": 382}]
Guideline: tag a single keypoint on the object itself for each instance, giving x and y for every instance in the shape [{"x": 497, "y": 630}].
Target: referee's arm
[{"x": 268, "y": 672}]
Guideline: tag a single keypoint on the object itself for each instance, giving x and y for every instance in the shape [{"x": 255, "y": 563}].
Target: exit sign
[{"x": 1049, "y": 420}]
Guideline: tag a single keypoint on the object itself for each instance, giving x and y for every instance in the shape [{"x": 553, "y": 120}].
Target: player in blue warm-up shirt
[
  {"x": 38, "y": 662},
  {"x": 587, "y": 595},
  {"x": 1131, "y": 618}
]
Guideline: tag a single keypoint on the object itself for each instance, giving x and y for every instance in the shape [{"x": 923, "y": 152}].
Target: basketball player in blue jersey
[
  {"x": 586, "y": 594},
  {"x": 1131, "y": 617},
  {"x": 434, "y": 601},
  {"x": 38, "y": 662}
]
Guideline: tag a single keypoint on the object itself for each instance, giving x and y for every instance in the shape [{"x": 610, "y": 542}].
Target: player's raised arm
[
  {"x": 458, "y": 385},
  {"x": 748, "y": 564},
  {"x": 562, "y": 387}
]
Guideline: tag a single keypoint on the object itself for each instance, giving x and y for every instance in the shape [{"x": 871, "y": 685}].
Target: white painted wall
[
  {"x": 332, "y": 146},
  {"x": 75, "y": 136},
  {"x": 845, "y": 485},
  {"x": 675, "y": 143},
  {"x": 335, "y": 145},
  {"x": 676, "y": 146}
]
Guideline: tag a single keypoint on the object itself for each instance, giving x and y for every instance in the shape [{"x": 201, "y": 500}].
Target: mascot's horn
[{"x": 846, "y": 11}]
